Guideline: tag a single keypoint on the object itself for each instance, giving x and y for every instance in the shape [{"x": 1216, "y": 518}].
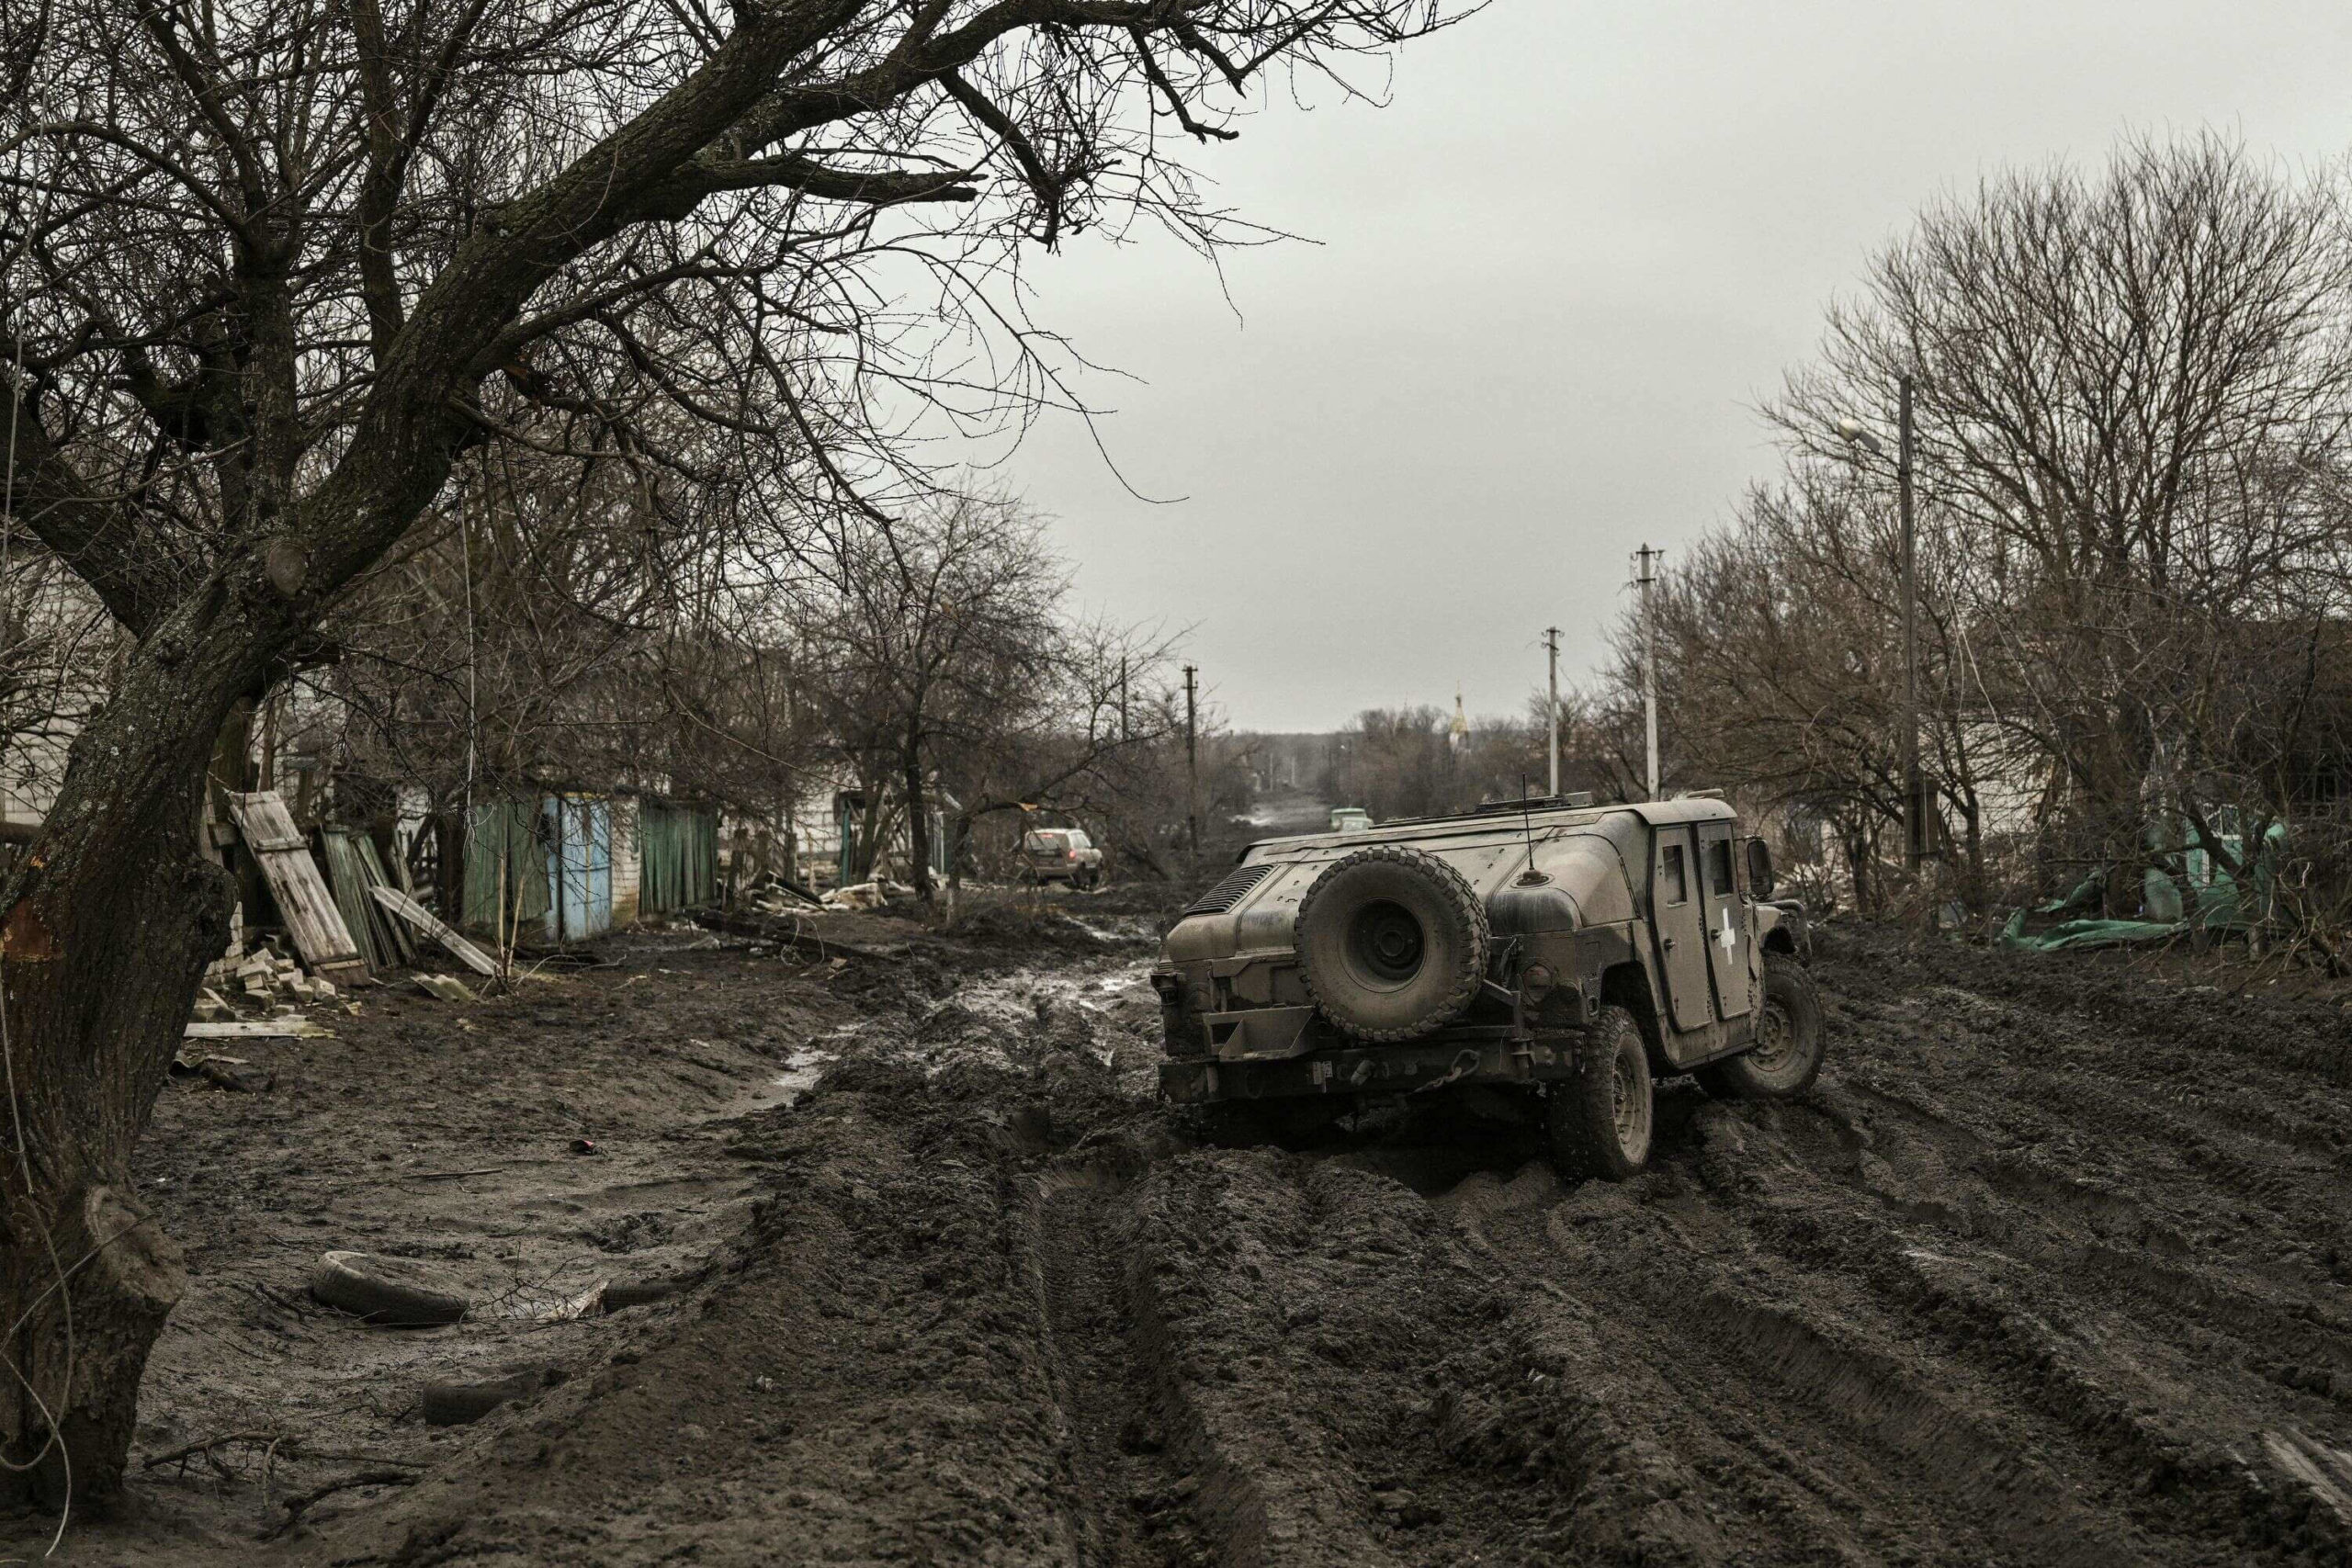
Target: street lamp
[
  {"x": 1915, "y": 840},
  {"x": 1855, "y": 431}
]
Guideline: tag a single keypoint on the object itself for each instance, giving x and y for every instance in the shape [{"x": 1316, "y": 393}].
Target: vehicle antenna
[{"x": 1531, "y": 876}]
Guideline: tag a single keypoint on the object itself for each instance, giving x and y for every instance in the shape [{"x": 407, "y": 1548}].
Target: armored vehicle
[{"x": 1561, "y": 956}]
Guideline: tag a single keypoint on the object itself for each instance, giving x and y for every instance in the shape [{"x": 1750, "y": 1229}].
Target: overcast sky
[{"x": 1551, "y": 281}]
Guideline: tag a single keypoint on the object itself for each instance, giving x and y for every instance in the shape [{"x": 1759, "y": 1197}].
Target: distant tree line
[{"x": 1405, "y": 761}]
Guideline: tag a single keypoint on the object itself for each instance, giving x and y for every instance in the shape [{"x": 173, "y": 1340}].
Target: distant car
[
  {"x": 1060, "y": 854},
  {"x": 1351, "y": 820}
]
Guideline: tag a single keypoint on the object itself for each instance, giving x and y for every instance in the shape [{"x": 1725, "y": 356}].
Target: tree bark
[{"x": 111, "y": 916}]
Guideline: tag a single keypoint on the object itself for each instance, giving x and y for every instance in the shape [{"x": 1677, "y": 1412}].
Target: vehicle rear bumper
[{"x": 1374, "y": 1069}]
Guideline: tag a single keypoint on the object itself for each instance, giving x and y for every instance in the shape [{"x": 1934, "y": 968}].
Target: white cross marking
[{"x": 1730, "y": 939}]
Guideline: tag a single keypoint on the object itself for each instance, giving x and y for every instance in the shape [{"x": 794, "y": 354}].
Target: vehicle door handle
[{"x": 1669, "y": 943}]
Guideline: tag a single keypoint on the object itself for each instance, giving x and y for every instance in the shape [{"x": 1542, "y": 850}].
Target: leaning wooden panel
[
  {"x": 423, "y": 919},
  {"x": 284, "y": 855}
]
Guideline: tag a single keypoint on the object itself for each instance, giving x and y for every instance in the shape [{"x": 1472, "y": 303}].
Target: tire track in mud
[
  {"x": 2103, "y": 1260},
  {"x": 1988, "y": 1299},
  {"x": 1134, "y": 1502},
  {"x": 1824, "y": 1434},
  {"x": 2009, "y": 1291}
]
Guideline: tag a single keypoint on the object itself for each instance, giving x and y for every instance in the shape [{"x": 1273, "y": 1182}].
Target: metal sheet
[{"x": 580, "y": 871}]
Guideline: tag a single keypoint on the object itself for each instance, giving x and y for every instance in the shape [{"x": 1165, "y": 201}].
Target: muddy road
[{"x": 2055, "y": 1269}]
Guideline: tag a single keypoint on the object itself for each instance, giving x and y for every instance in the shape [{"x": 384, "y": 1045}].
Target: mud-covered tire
[
  {"x": 622, "y": 1295},
  {"x": 462, "y": 1404},
  {"x": 1391, "y": 944},
  {"x": 395, "y": 1292},
  {"x": 1601, "y": 1122},
  {"x": 1787, "y": 1058}
]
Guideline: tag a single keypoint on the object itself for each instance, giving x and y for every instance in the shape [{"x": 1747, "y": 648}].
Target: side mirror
[{"x": 1759, "y": 869}]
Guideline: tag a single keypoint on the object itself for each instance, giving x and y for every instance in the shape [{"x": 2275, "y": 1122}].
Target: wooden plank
[
  {"x": 352, "y": 868},
  {"x": 256, "y": 1029},
  {"x": 284, "y": 855},
  {"x": 395, "y": 932},
  {"x": 417, "y": 915}
]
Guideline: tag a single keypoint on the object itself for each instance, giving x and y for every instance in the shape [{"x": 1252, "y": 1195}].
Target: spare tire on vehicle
[{"x": 1392, "y": 943}]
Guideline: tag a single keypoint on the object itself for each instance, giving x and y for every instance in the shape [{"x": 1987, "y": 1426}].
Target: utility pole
[
  {"x": 1915, "y": 823},
  {"x": 1192, "y": 765},
  {"x": 1649, "y": 658},
  {"x": 1552, "y": 650}
]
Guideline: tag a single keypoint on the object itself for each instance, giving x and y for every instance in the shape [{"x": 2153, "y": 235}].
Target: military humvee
[{"x": 1562, "y": 954}]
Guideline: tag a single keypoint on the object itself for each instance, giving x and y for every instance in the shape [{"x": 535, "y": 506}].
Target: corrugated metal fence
[
  {"x": 678, "y": 848},
  {"x": 507, "y": 868},
  {"x": 513, "y": 869}
]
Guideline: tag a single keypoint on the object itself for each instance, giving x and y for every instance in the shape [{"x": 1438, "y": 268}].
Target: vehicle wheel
[
  {"x": 398, "y": 1293},
  {"x": 1600, "y": 1119},
  {"x": 1392, "y": 943},
  {"x": 1787, "y": 1055}
]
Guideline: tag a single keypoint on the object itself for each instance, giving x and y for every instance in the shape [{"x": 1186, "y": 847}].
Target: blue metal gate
[{"x": 580, "y": 867}]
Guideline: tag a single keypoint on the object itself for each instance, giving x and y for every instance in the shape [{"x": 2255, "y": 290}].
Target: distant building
[
  {"x": 1457, "y": 734},
  {"x": 57, "y": 650}
]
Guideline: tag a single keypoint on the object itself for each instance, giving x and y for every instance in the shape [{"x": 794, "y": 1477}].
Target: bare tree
[
  {"x": 1099, "y": 737},
  {"x": 2132, "y": 395},
  {"x": 275, "y": 264},
  {"x": 2125, "y": 387},
  {"x": 944, "y": 626}
]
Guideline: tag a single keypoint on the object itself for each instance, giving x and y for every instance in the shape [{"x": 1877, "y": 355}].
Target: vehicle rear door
[
  {"x": 1676, "y": 917},
  {"x": 1727, "y": 920}
]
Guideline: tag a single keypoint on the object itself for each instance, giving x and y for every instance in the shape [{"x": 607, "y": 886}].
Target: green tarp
[{"x": 2221, "y": 906}]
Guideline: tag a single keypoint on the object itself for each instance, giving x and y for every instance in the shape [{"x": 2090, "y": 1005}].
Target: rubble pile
[{"x": 265, "y": 977}]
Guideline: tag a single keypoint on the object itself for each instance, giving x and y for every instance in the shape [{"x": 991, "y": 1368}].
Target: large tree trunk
[{"x": 111, "y": 916}]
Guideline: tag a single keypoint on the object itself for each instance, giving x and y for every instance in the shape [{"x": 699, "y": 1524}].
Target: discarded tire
[
  {"x": 637, "y": 1292},
  {"x": 457, "y": 1404},
  {"x": 394, "y": 1293},
  {"x": 1787, "y": 1056},
  {"x": 1599, "y": 1120},
  {"x": 1392, "y": 943}
]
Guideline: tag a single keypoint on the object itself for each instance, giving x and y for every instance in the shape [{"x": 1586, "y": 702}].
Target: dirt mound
[{"x": 1070, "y": 926}]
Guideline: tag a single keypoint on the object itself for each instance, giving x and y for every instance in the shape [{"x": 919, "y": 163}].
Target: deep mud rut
[{"x": 2054, "y": 1268}]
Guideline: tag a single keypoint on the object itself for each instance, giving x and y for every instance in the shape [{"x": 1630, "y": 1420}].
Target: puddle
[{"x": 801, "y": 1071}]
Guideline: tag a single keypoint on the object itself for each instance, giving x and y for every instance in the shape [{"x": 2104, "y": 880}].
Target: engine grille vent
[{"x": 1229, "y": 892}]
